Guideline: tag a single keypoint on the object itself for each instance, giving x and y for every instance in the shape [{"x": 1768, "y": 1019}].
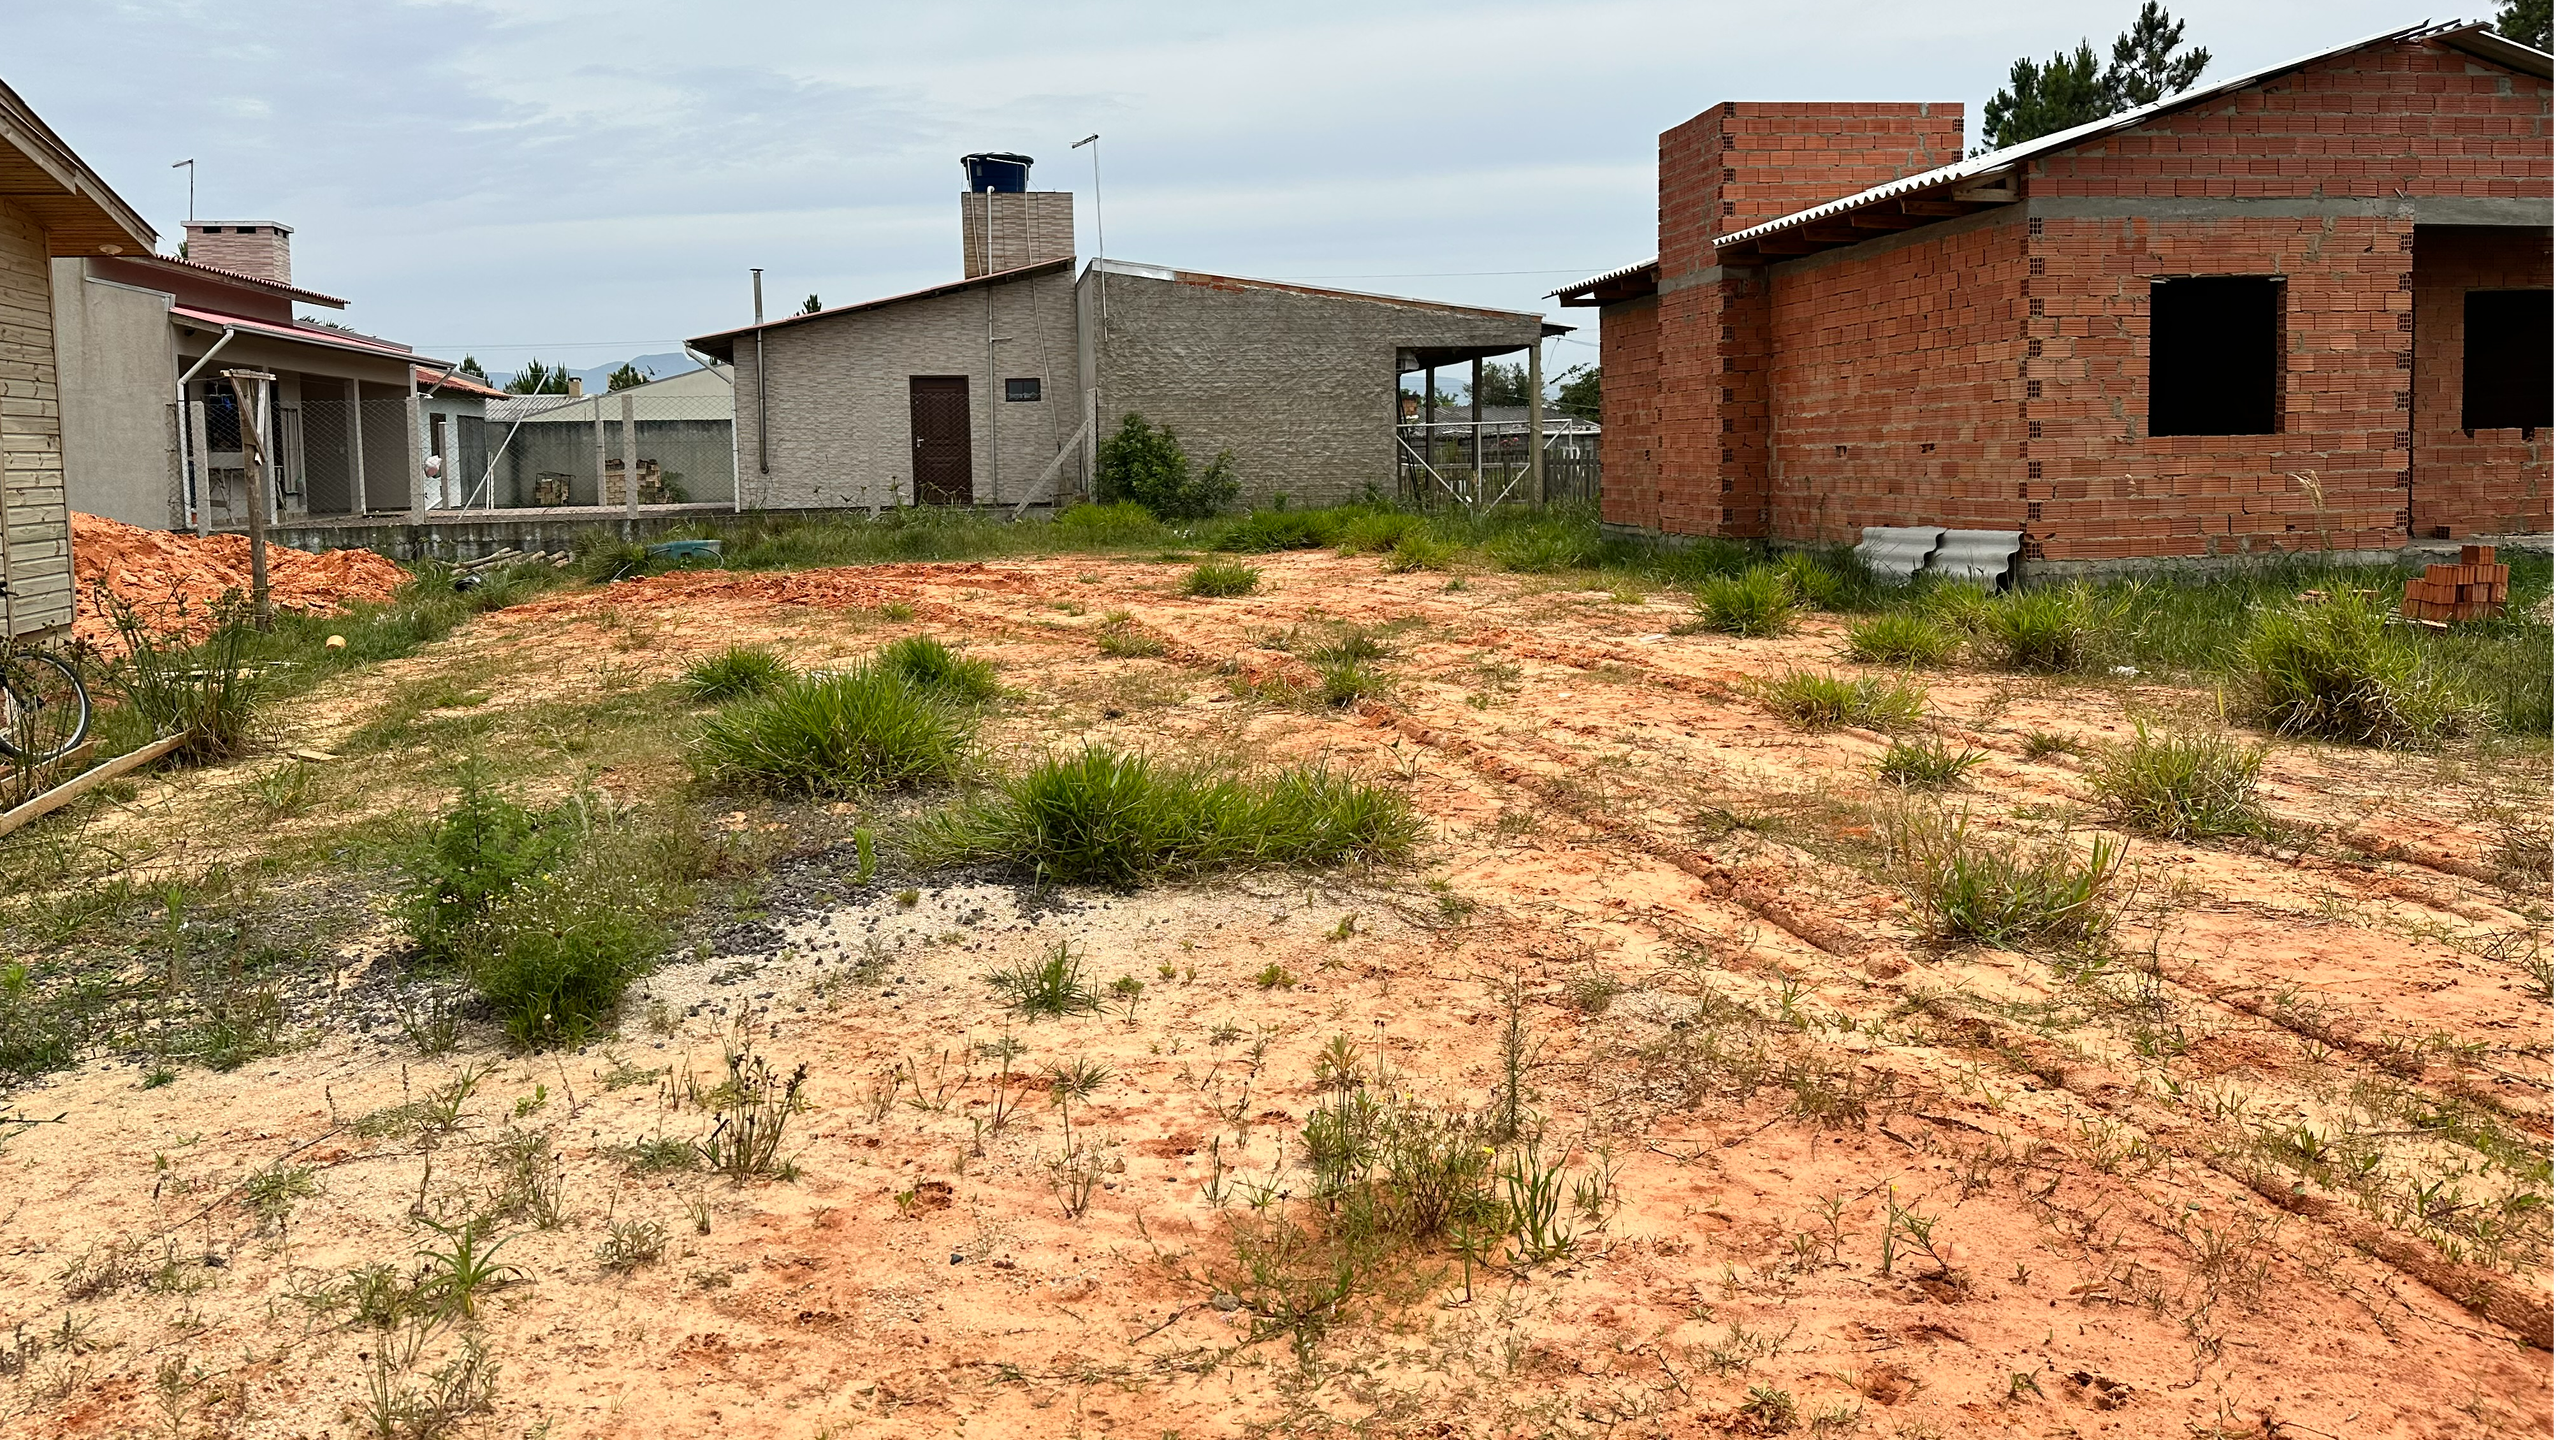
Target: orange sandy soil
[
  {"x": 175, "y": 582},
  {"x": 2121, "y": 1255}
]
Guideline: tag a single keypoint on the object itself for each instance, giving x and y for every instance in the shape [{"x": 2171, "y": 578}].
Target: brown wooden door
[{"x": 939, "y": 408}]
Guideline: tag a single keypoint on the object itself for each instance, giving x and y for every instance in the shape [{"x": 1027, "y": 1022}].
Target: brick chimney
[
  {"x": 1740, "y": 163},
  {"x": 1728, "y": 169},
  {"x": 259, "y": 248}
]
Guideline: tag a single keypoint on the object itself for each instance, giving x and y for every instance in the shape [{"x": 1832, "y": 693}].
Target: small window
[
  {"x": 2506, "y": 359},
  {"x": 2216, "y": 355},
  {"x": 1022, "y": 389}
]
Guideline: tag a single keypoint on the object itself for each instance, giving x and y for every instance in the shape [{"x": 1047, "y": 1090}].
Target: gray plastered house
[{"x": 994, "y": 389}]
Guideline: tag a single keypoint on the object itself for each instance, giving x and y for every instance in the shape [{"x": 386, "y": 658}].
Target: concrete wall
[
  {"x": 118, "y": 367},
  {"x": 35, "y": 525},
  {"x": 1299, "y": 384},
  {"x": 840, "y": 428}
]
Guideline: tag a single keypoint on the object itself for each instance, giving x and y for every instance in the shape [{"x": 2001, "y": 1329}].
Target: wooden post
[
  {"x": 1430, "y": 427},
  {"x": 1538, "y": 422},
  {"x": 250, "y": 389},
  {"x": 355, "y": 443},
  {"x": 630, "y": 461},
  {"x": 1475, "y": 424},
  {"x": 416, "y": 463}
]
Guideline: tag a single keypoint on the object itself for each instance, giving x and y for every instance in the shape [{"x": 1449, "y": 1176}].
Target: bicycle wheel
[{"x": 44, "y": 709}]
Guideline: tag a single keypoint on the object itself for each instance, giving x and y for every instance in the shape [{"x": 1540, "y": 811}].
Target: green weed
[
  {"x": 2184, "y": 784},
  {"x": 736, "y": 671},
  {"x": 836, "y": 734},
  {"x": 1817, "y": 699}
]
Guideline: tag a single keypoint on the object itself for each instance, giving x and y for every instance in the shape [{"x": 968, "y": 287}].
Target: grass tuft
[
  {"x": 931, "y": 666},
  {"x": 738, "y": 670},
  {"x": 1760, "y": 602},
  {"x": 1815, "y": 699},
  {"x": 2181, "y": 785},
  {"x": 1109, "y": 817},
  {"x": 1054, "y": 984},
  {"x": 2002, "y": 894},
  {"x": 1928, "y": 763},
  {"x": 2336, "y": 670},
  {"x": 1218, "y": 578},
  {"x": 1904, "y": 639},
  {"x": 2051, "y": 630},
  {"x": 834, "y": 734}
]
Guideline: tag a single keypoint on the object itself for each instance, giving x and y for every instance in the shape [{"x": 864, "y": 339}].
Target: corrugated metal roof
[
  {"x": 303, "y": 334},
  {"x": 707, "y": 343},
  {"x": 1994, "y": 162},
  {"x": 1595, "y": 282},
  {"x": 1135, "y": 270}
]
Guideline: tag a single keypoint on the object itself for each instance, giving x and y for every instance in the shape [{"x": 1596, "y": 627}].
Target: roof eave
[{"x": 725, "y": 340}]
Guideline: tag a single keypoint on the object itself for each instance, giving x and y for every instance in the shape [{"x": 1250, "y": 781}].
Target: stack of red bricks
[{"x": 2475, "y": 589}]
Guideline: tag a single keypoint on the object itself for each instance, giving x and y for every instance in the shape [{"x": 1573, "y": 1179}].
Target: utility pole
[
  {"x": 190, "y": 167},
  {"x": 249, "y": 388}
]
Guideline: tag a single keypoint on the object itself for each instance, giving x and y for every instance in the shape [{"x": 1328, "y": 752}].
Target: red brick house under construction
[{"x": 2309, "y": 306}]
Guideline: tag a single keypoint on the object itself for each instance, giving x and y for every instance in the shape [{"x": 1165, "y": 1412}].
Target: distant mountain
[{"x": 657, "y": 367}]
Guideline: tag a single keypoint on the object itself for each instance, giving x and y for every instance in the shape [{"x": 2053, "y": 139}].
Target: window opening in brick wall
[
  {"x": 1022, "y": 389},
  {"x": 2216, "y": 355},
  {"x": 2506, "y": 359}
]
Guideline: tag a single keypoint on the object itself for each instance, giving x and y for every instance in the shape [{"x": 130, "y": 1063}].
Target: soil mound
[{"x": 175, "y": 579}]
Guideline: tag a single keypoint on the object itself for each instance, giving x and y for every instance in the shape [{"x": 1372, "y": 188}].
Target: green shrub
[
  {"x": 2336, "y": 671},
  {"x": 1102, "y": 816},
  {"x": 1927, "y": 763},
  {"x": 930, "y": 665},
  {"x": 1124, "y": 522},
  {"x": 2050, "y": 630},
  {"x": 835, "y": 734},
  {"x": 471, "y": 858},
  {"x": 2184, "y": 785},
  {"x": 2001, "y": 894},
  {"x": 1758, "y": 602},
  {"x": 1145, "y": 464},
  {"x": 738, "y": 670},
  {"x": 1815, "y": 699},
  {"x": 1220, "y": 578},
  {"x": 556, "y": 960},
  {"x": 1904, "y": 638},
  {"x": 1373, "y": 531}
]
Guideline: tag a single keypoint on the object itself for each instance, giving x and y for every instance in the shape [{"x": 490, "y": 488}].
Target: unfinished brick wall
[
  {"x": 1731, "y": 167},
  {"x": 1895, "y": 381},
  {"x": 2402, "y": 121},
  {"x": 2483, "y": 482},
  {"x": 1630, "y": 493},
  {"x": 1994, "y": 372}
]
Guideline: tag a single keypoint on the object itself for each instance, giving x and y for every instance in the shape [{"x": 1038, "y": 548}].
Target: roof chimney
[
  {"x": 260, "y": 249},
  {"x": 1005, "y": 224}
]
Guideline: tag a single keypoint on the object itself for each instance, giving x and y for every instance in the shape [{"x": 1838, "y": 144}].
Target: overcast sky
[{"x": 590, "y": 181}]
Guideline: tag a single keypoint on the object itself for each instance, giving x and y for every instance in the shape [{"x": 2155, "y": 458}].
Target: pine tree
[
  {"x": 2070, "y": 90},
  {"x": 2527, "y": 22},
  {"x": 471, "y": 366},
  {"x": 627, "y": 376}
]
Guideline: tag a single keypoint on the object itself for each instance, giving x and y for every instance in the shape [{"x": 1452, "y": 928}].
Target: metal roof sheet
[{"x": 1623, "y": 272}]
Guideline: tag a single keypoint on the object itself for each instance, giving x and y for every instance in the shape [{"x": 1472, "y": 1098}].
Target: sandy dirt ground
[{"x": 2117, "y": 1244}]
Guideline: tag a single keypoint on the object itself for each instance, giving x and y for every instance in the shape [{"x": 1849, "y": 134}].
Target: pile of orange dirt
[{"x": 175, "y": 581}]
